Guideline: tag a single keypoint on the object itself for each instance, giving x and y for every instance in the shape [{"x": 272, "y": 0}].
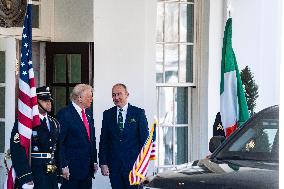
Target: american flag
[
  {"x": 147, "y": 153},
  {"x": 28, "y": 115}
]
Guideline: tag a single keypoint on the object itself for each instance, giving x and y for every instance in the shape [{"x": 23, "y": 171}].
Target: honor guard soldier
[{"x": 41, "y": 168}]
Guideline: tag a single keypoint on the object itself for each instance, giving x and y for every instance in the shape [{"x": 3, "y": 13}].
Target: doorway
[{"x": 67, "y": 64}]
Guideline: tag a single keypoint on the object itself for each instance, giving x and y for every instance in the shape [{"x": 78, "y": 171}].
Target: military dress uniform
[{"x": 44, "y": 167}]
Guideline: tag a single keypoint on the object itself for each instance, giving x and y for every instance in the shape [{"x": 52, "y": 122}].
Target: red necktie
[{"x": 86, "y": 123}]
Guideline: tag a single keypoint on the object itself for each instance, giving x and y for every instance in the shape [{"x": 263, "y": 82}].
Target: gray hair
[
  {"x": 121, "y": 85},
  {"x": 78, "y": 90}
]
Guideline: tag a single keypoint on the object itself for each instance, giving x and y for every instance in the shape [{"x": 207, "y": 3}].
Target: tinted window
[{"x": 258, "y": 139}]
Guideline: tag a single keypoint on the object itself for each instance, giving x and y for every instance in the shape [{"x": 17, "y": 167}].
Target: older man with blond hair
[{"x": 78, "y": 142}]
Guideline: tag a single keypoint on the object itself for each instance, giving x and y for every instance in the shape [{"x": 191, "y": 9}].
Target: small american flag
[
  {"x": 147, "y": 153},
  {"x": 28, "y": 115}
]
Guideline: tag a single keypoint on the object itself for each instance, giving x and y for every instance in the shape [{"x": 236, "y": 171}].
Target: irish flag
[{"x": 233, "y": 107}]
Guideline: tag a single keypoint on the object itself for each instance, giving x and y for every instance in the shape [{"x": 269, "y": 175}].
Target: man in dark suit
[
  {"x": 123, "y": 134},
  {"x": 44, "y": 168},
  {"x": 77, "y": 139}
]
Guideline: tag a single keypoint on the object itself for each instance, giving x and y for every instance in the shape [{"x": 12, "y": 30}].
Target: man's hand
[
  {"x": 105, "y": 170},
  {"x": 65, "y": 173},
  {"x": 95, "y": 168}
]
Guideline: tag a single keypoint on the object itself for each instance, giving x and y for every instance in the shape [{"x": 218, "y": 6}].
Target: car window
[{"x": 258, "y": 140}]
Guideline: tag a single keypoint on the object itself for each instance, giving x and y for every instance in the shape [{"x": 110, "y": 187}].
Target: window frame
[
  {"x": 189, "y": 85},
  {"x": 3, "y": 85},
  {"x": 179, "y": 43}
]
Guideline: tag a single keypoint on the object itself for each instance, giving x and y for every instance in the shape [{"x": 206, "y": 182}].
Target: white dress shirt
[
  {"x": 78, "y": 109},
  {"x": 123, "y": 112},
  {"x": 47, "y": 121}
]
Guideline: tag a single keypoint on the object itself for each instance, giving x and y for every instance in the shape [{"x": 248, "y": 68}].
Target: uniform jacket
[
  {"x": 77, "y": 152},
  {"x": 121, "y": 155},
  {"x": 42, "y": 141}
]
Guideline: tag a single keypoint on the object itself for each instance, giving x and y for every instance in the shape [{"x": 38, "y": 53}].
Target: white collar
[
  {"x": 124, "y": 108},
  {"x": 42, "y": 116},
  {"x": 78, "y": 108}
]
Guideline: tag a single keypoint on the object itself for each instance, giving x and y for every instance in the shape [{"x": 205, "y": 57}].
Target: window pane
[
  {"x": 2, "y": 67},
  {"x": 171, "y": 63},
  {"x": 181, "y": 145},
  {"x": 165, "y": 145},
  {"x": 59, "y": 94},
  {"x": 159, "y": 64},
  {"x": 259, "y": 138},
  {"x": 171, "y": 22},
  {"x": 59, "y": 68},
  {"x": 186, "y": 63},
  {"x": 2, "y": 102},
  {"x": 75, "y": 68},
  {"x": 70, "y": 90},
  {"x": 186, "y": 22},
  {"x": 2, "y": 137},
  {"x": 160, "y": 22},
  {"x": 181, "y": 105},
  {"x": 35, "y": 16},
  {"x": 192, "y": 1},
  {"x": 166, "y": 105}
]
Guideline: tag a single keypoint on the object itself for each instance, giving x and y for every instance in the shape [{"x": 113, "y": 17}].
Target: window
[
  {"x": 2, "y": 101},
  {"x": 35, "y": 15},
  {"x": 175, "y": 75},
  {"x": 67, "y": 65}
]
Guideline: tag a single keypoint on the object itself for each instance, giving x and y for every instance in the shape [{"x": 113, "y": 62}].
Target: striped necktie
[{"x": 120, "y": 121}]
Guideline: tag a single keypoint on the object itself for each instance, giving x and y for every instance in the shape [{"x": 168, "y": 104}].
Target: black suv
[{"x": 248, "y": 159}]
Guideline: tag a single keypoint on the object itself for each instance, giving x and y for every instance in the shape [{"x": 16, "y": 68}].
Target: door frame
[{"x": 87, "y": 59}]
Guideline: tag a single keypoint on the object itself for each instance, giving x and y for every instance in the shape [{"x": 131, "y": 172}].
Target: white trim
[
  {"x": 9, "y": 46},
  {"x": 229, "y": 100},
  {"x": 175, "y": 85}
]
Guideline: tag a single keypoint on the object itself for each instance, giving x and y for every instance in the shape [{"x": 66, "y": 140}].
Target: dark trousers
[
  {"x": 77, "y": 184},
  {"x": 43, "y": 180},
  {"x": 120, "y": 181}
]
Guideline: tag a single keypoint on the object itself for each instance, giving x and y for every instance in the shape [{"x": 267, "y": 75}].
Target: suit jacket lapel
[
  {"x": 51, "y": 127},
  {"x": 78, "y": 120},
  {"x": 128, "y": 117},
  {"x": 91, "y": 125},
  {"x": 45, "y": 127},
  {"x": 114, "y": 120}
]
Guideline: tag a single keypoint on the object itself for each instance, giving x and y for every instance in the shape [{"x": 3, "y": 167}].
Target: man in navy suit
[
  {"x": 77, "y": 139},
  {"x": 123, "y": 134}
]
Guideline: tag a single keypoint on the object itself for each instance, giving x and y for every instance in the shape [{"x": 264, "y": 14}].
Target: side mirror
[{"x": 215, "y": 142}]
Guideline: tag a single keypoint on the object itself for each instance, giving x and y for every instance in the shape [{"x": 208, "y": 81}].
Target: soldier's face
[{"x": 46, "y": 104}]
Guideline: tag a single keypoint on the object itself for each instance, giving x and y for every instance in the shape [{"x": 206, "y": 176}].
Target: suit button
[
  {"x": 50, "y": 140},
  {"x": 50, "y": 147}
]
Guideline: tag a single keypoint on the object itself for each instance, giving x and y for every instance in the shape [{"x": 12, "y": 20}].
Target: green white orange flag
[{"x": 233, "y": 107}]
